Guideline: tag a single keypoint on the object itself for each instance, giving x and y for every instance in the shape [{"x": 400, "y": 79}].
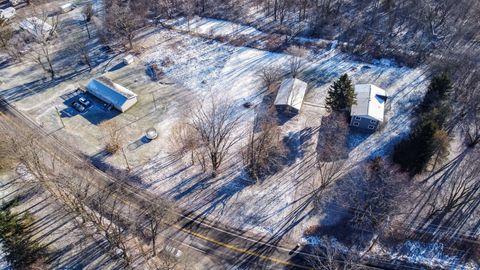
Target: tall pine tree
[
  {"x": 437, "y": 91},
  {"x": 427, "y": 136},
  {"x": 341, "y": 95}
]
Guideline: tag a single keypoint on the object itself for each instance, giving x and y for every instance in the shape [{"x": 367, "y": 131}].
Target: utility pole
[
  {"x": 60, "y": 116},
  {"x": 126, "y": 160},
  {"x": 154, "y": 102}
]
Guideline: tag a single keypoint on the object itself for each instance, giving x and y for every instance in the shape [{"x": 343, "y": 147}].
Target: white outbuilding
[
  {"x": 66, "y": 7},
  {"x": 8, "y": 13},
  {"x": 15, "y": 2},
  {"x": 114, "y": 94},
  {"x": 128, "y": 59},
  {"x": 36, "y": 27},
  {"x": 290, "y": 96}
]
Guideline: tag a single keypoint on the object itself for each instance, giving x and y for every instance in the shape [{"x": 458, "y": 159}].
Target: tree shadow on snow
[{"x": 296, "y": 143}]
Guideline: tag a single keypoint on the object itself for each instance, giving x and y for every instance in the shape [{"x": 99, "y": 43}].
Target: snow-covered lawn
[
  {"x": 207, "y": 26},
  {"x": 280, "y": 205}
]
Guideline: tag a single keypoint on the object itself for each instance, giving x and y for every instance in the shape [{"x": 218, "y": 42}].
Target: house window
[
  {"x": 358, "y": 118},
  {"x": 356, "y": 124},
  {"x": 371, "y": 127},
  {"x": 373, "y": 121}
]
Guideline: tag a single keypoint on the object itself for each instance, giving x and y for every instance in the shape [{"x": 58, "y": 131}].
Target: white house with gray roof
[
  {"x": 114, "y": 94},
  {"x": 369, "y": 110},
  {"x": 290, "y": 96}
]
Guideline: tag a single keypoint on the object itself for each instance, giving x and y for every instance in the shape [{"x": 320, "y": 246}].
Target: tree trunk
[
  {"x": 88, "y": 30},
  {"x": 50, "y": 69},
  {"x": 154, "y": 241},
  {"x": 86, "y": 58},
  {"x": 275, "y": 8},
  {"x": 130, "y": 41}
]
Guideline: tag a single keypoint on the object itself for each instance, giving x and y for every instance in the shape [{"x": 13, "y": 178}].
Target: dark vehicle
[
  {"x": 84, "y": 101},
  {"x": 77, "y": 106},
  {"x": 155, "y": 72}
]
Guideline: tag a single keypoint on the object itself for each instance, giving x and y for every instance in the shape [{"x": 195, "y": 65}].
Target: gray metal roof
[
  {"x": 370, "y": 101},
  {"x": 291, "y": 93},
  {"x": 110, "y": 92}
]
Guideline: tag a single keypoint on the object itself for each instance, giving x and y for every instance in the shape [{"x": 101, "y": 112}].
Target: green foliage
[
  {"x": 413, "y": 153},
  {"x": 427, "y": 136},
  {"x": 437, "y": 92},
  {"x": 21, "y": 251},
  {"x": 341, "y": 95}
]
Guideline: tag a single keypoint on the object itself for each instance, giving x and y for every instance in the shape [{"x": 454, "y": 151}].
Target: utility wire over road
[{"x": 209, "y": 238}]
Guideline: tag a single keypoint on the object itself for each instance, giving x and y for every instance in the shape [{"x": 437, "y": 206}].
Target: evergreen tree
[
  {"x": 341, "y": 95},
  {"x": 413, "y": 153},
  {"x": 427, "y": 136},
  {"x": 438, "y": 90}
]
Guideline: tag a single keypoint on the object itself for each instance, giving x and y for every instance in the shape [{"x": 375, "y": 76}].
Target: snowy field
[{"x": 280, "y": 205}]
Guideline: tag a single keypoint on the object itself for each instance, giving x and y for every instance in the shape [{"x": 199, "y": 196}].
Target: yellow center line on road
[
  {"x": 242, "y": 250},
  {"x": 190, "y": 232},
  {"x": 220, "y": 243}
]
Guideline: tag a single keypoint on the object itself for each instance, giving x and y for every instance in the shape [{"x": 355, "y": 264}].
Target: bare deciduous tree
[
  {"x": 264, "y": 150},
  {"x": 157, "y": 213},
  {"x": 7, "y": 154},
  {"x": 442, "y": 143},
  {"x": 183, "y": 140},
  {"x": 376, "y": 194},
  {"x": 271, "y": 77},
  {"x": 6, "y": 33},
  {"x": 328, "y": 256},
  {"x": 296, "y": 63},
  {"x": 214, "y": 124},
  {"x": 81, "y": 50},
  {"x": 37, "y": 47},
  {"x": 87, "y": 13},
  {"x": 106, "y": 216},
  {"x": 455, "y": 190},
  {"x": 188, "y": 8},
  {"x": 331, "y": 154},
  {"x": 470, "y": 124},
  {"x": 332, "y": 140},
  {"x": 122, "y": 22}
]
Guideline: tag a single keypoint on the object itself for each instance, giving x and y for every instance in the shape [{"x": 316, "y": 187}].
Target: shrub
[
  {"x": 240, "y": 40},
  {"x": 273, "y": 43},
  {"x": 112, "y": 136}
]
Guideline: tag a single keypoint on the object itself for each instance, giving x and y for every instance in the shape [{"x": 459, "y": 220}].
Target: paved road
[{"x": 237, "y": 248}]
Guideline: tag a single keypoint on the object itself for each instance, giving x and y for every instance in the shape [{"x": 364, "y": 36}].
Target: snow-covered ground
[
  {"x": 213, "y": 27},
  {"x": 432, "y": 255},
  {"x": 281, "y": 203},
  {"x": 4, "y": 264}
]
